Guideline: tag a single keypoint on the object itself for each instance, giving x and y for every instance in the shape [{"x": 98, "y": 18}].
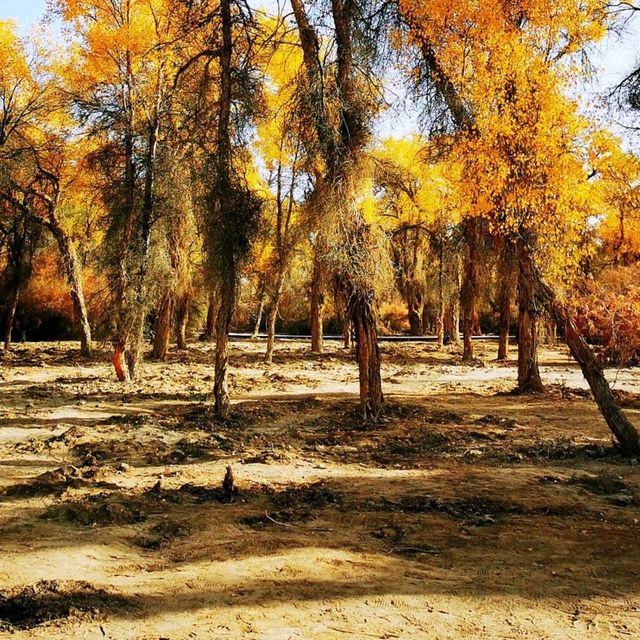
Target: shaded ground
[{"x": 467, "y": 512}]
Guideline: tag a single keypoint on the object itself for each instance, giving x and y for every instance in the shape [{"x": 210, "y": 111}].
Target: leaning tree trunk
[
  {"x": 182, "y": 319},
  {"x": 624, "y": 431},
  {"x": 368, "y": 354},
  {"x": 529, "y": 380},
  {"x": 12, "y": 305},
  {"x": 164, "y": 322},
  {"x": 317, "y": 305},
  {"x": 259, "y": 314},
  {"x": 469, "y": 292},
  {"x": 73, "y": 275}
]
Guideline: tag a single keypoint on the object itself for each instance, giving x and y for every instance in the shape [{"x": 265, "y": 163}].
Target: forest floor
[{"x": 466, "y": 512}]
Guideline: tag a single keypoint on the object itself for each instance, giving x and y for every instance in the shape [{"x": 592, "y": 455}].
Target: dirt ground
[{"x": 466, "y": 512}]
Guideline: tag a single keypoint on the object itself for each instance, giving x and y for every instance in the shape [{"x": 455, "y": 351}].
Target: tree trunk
[
  {"x": 12, "y": 305},
  {"x": 133, "y": 354},
  {"x": 256, "y": 327},
  {"x": 273, "y": 314},
  {"x": 469, "y": 291},
  {"x": 368, "y": 353},
  {"x": 228, "y": 210},
  {"x": 440, "y": 312},
  {"x": 182, "y": 319},
  {"x": 346, "y": 331},
  {"x": 624, "y": 431},
  {"x": 317, "y": 305},
  {"x": 164, "y": 322},
  {"x": 529, "y": 380},
  {"x": 223, "y": 326},
  {"x": 73, "y": 275},
  {"x": 505, "y": 285},
  {"x": 415, "y": 316},
  {"x": 210, "y": 323}
]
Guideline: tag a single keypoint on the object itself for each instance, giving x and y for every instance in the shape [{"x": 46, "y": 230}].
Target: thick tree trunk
[
  {"x": 182, "y": 319},
  {"x": 505, "y": 288},
  {"x": 10, "y": 314},
  {"x": 73, "y": 275},
  {"x": 317, "y": 305},
  {"x": 469, "y": 293},
  {"x": 164, "y": 323},
  {"x": 368, "y": 353},
  {"x": 120, "y": 363},
  {"x": 133, "y": 354},
  {"x": 415, "y": 316},
  {"x": 529, "y": 380}
]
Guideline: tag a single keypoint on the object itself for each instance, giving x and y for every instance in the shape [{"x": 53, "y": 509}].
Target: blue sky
[
  {"x": 613, "y": 58},
  {"x": 25, "y": 12}
]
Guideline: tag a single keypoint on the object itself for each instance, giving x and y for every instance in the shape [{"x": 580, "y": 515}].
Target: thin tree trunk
[
  {"x": 164, "y": 322},
  {"x": 263, "y": 294},
  {"x": 371, "y": 397},
  {"x": 469, "y": 291},
  {"x": 440, "y": 315},
  {"x": 228, "y": 281},
  {"x": 317, "y": 305},
  {"x": 12, "y": 305},
  {"x": 529, "y": 380},
  {"x": 210, "y": 322},
  {"x": 505, "y": 284},
  {"x": 346, "y": 331},
  {"x": 182, "y": 319},
  {"x": 273, "y": 314},
  {"x": 73, "y": 275},
  {"x": 223, "y": 326}
]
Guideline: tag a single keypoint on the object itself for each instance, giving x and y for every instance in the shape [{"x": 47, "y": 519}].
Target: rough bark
[
  {"x": 73, "y": 274},
  {"x": 228, "y": 284},
  {"x": 414, "y": 311},
  {"x": 210, "y": 322},
  {"x": 469, "y": 293},
  {"x": 346, "y": 332},
  {"x": 440, "y": 308},
  {"x": 10, "y": 314},
  {"x": 164, "y": 323},
  {"x": 256, "y": 327},
  {"x": 371, "y": 397},
  {"x": 529, "y": 380},
  {"x": 623, "y": 430},
  {"x": 223, "y": 325},
  {"x": 182, "y": 319},
  {"x": 506, "y": 271},
  {"x": 317, "y": 305},
  {"x": 273, "y": 315}
]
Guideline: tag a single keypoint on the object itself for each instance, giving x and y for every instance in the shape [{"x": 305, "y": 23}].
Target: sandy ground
[{"x": 467, "y": 512}]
